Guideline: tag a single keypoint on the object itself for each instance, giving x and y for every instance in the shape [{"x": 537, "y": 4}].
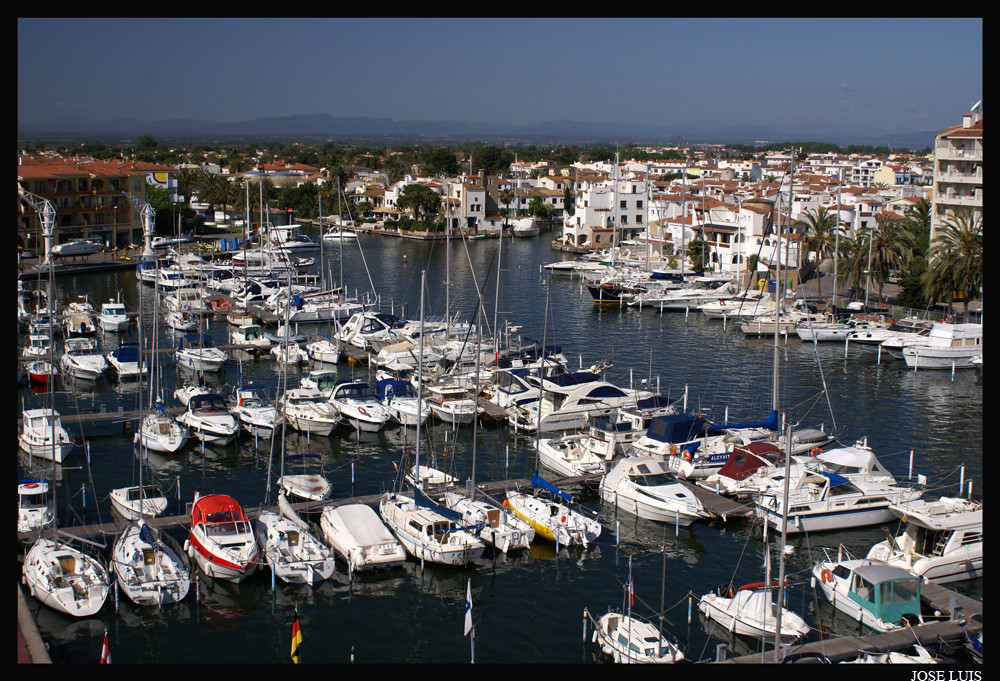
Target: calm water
[{"x": 529, "y": 607}]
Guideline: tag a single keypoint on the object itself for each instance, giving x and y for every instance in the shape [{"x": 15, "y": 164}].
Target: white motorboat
[
  {"x": 138, "y": 502},
  {"x": 525, "y": 227},
  {"x": 751, "y": 611},
  {"x": 401, "y": 401},
  {"x": 371, "y": 330},
  {"x": 185, "y": 299},
  {"x": 43, "y": 435},
  {"x": 65, "y": 579},
  {"x": 75, "y": 247},
  {"x": 648, "y": 488},
  {"x": 113, "y": 317},
  {"x": 358, "y": 406},
  {"x": 452, "y": 404},
  {"x": 906, "y": 328},
  {"x": 497, "y": 526},
  {"x": 787, "y": 322},
  {"x": 289, "y": 352},
  {"x": 631, "y": 640},
  {"x": 307, "y": 410},
  {"x": 255, "y": 412},
  {"x": 429, "y": 480},
  {"x": 683, "y": 442},
  {"x": 551, "y": 519},
  {"x": 837, "y": 331},
  {"x": 127, "y": 363},
  {"x": 150, "y": 569},
  {"x": 198, "y": 353},
  {"x": 686, "y": 298},
  {"x": 304, "y": 478},
  {"x": 323, "y": 380},
  {"x": 250, "y": 334},
  {"x": 754, "y": 458},
  {"x": 569, "y": 455},
  {"x": 571, "y": 401},
  {"x": 426, "y": 534},
  {"x": 947, "y": 346},
  {"x": 291, "y": 551},
  {"x": 339, "y": 235},
  {"x": 182, "y": 320},
  {"x": 740, "y": 307},
  {"x": 221, "y": 540},
  {"x": 360, "y": 538},
  {"x": 160, "y": 433},
  {"x": 209, "y": 420},
  {"x": 39, "y": 346},
  {"x": 920, "y": 656},
  {"x": 942, "y": 540},
  {"x": 80, "y": 359},
  {"x": 324, "y": 350},
  {"x": 34, "y": 506},
  {"x": 80, "y": 324},
  {"x": 879, "y": 596}
]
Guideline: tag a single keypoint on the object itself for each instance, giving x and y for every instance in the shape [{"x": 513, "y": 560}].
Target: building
[
  {"x": 958, "y": 171},
  {"x": 608, "y": 214},
  {"x": 89, "y": 198}
]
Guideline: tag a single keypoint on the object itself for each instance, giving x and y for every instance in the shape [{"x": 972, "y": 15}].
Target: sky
[{"x": 887, "y": 74}]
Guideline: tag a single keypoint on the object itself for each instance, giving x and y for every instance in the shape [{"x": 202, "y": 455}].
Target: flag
[
  {"x": 105, "y": 651},
  {"x": 468, "y": 608},
  {"x": 296, "y": 639},
  {"x": 395, "y": 467},
  {"x": 628, "y": 584}
]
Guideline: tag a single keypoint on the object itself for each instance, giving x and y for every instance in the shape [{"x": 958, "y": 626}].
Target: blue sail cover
[
  {"x": 146, "y": 535},
  {"x": 538, "y": 481},
  {"x": 675, "y": 427},
  {"x": 771, "y": 423}
]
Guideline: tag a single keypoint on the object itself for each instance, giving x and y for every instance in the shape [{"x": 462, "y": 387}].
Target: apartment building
[{"x": 958, "y": 171}]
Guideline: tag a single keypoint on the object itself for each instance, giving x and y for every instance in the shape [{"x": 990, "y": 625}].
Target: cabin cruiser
[
  {"x": 288, "y": 352},
  {"x": 881, "y": 597},
  {"x": 80, "y": 324},
  {"x": 687, "y": 298},
  {"x": 113, "y": 317},
  {"x": 631, "y": 640},
  {"x": 185, "y": 299},
  {"x": 452, "y": 404},
  {"x": 125, "y": 360},
  {"x": 34, "y": 506},
  {"x": 81, "y": 359},
  {"x": 198, "y": 353},
  {"x": 138, "y": 501},
  {"x": 39, "y": 346},
  {"x": 647, "y": 487},
  {"x": 942, "y": 540},
  {"x": 360, "y": 538},
  {"x": 36, "y": 438},
  {"x": 740, "y": 307},
  {"x": 571, "y": 401},
  {"x": 255, "y": 412},
  {"x": 569, "y": 455},
  {"x": 358, "y": 406},
  {"x": 905, "y": 328},
  {"x": 946, "y": 346},
  {"x": 75, "y": 247},
  {"x": 401, "y": 401},
  {"x": 307, "y": 410},
  {"x": 182, "y": 320},
  {"x": 221, "y": 540},
  {"x": 371, "y": 330},
  {"x": 751, "y": 611},
  {"x": 250, "y": 334},
  {"x": 685, "y": 443},
  {"x": 209, "y": 420},
  {"x": 305, "y": 478},
  {"x": 323, "y": 380},
  {"x": 324, "y": 350}
]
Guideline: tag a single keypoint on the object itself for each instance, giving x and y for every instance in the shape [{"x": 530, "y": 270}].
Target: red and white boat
[
  {"x": 41, "y": 371},
  {"x": 222, "y": 540}
]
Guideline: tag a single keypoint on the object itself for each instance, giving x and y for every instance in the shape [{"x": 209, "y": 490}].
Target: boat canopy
[
  {"x": 127, "y": 353},
  {"x": 675, "y": 427},
  {"x": 608, "y": 425},
  {"x": 653, "y": 402},
  {"x": 196, "y": 340},
  {"x": 207, "y": 402},
  {"x": 388, "y": 387}
]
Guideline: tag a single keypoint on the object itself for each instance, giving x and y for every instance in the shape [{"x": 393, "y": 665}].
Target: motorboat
[
  {"x": 647, "y": 487},
  {"x": 160, "y": 433},
  {"x": 113, "y": 317},
  {"x": 569, "y": 455},
  {"x": 920, "y": 656},
  {"x": 571, "y": 401},
  {"x": 323, "y": 380},
  {"x": 250, "y": 334},
  {"x": 839, "y": 489},
  {"x": 427, "y": 534},
  {"x": 255, "y": 412},
  {"x": 686, "y": 298},
  {"x": 837, "y": 331},
  {"x": 740, "y": 307},
  {"x": 429, "y": 480},
  {"x": 75, "y": 247},
  {"x": 125, "y": 360},
  {"x": 942, "y": 540},
  {"x": 288, "y": 352},
  {"x": 360, "y": 538},
  {"x": 324, "y": 350},
  {"x": 370, "y": 330},
  {"x": 401, "y": 401},
  {"x": 182, "y": 320},
  {"x": 906, "y": 328},
  {"x": 34, "y": 506},
  {"x": 788, "y": 320},
  {"x": 43, "y": 435},
  {"x": 171, "y": 278},
  {"x": 452, "y": 404},
  {"x": 751, "y": 611},
  {"x": 946, "y": 346},
  {"x": 307, "y": 410},
  {"x": 209, "y": 420},
  {"x": 290, "y": 549},
  {"x": 684, "y": 442},
  {"x": 65, "y": 579},
  {"x": 39, "y": 345},
  {"x": 198, "y": 353},
  {"x": 879, "y": 596},
  {"x": 221, "y": 540},
  {"x": 185, "y": 392},
  {"x": 80, "y": 359},
  {"x": 304, "y": 478},
  {"x": 753, "y": 458},
  {"x": 525, "y": 227},
  {"x": 358, "y": 406},
  {"x": 138, "y": 501},
  {"x": 149, "y": 567},
  {"x": 339, "y": 235},
  {"x": 80, "y": 324},
  {"x": 41, "y": 371},
  {"x": 550, "y": 518},
  {"x": 185, "y": 299},
  {"x": 632, "y": 640},
  {"x": 497, "y": 526}
]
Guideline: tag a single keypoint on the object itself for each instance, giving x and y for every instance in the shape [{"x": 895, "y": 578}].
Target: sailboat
[
  {"x": 151, "y": 569},
  {"x": 425, "y": 533}
]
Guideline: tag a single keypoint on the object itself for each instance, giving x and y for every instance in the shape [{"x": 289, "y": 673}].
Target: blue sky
[{"x": 888, "y": 74}]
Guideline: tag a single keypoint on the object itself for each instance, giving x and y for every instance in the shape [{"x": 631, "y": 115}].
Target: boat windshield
[{"x": 653, "y": 479}]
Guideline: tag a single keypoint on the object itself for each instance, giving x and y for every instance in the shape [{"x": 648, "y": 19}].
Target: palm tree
[
  {"x": 882, "y": 250},
  {"x": 506, "y": 197},
  {"x": 955, "y": 261},
  {"x": 918, "y": 221},
  {"x": 819, "y": 228}
]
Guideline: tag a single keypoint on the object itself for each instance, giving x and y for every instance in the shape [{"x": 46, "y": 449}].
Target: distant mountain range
[{"x": 327, "y": 126}]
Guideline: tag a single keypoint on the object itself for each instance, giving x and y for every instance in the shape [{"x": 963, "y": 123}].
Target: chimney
[{"x": 968, "y": 120}]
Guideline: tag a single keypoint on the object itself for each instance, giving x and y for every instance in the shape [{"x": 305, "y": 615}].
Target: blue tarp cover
[{"x": 675, "y": 427}]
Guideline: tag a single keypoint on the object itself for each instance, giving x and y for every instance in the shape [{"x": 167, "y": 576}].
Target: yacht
[
  {"x": 452, "y": 404},
  {"x": 946, "y": 346},
  {"x": 34, "y": 506},
  {"x": 401, "y": 401},
  {"x": 127, "y": 363},
  {"x": 65, "y": 579},
  {"x": 631, "y": 640},
  {"x": 255, "y": 412},
  {"x": 304, "y": 478},
  {"x": 428, "y": 535},
  {"x": 358, "y": 406},
  {"x": 290, "y": 549},
  {"x": 905, "y": 328},
  {"x": 307, "y": 410},
  {"x": 113, "y": 317},
  {"x": 149, "y": 568},
  {"x": 221, "y": 540},
  {"x": 209, "y": 420},
  {"x": 571, "y": 401},
  {"x": 198, "y": 353},
  {"x": 80, "y": 359},
  {"x": 647, "y": 487},
  {"x": 76, "y": 247}
]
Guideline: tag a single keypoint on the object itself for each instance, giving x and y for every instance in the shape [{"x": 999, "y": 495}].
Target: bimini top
[
  {"x": 196, "y": 340},
  {"x": 675, "y": 427}
]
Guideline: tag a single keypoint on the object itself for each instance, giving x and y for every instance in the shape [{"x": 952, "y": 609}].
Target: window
[{"x": 638, "y": 204}]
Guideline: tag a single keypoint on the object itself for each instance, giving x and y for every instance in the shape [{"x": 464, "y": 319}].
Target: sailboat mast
[
  {"x": 420, "y": 379},
  {"x": 784, "y": 537}
]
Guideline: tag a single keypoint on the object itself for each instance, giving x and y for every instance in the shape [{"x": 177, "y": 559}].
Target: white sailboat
[{"x": 150, "y": 568}]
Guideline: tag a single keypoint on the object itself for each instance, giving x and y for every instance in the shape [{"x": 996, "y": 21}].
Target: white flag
[{"x": 468, "y": 608}]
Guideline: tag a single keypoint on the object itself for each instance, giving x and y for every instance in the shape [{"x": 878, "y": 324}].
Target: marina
[{"x": 930, "y": 422}]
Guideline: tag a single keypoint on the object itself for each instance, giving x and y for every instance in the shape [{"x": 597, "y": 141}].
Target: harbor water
[{"x": 529, "y": 607}]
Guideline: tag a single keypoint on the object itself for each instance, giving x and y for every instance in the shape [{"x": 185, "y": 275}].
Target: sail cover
[{"x": 538, "y": 481}]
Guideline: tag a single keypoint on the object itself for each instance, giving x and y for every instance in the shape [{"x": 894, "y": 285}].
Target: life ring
[
  {"x": 361, "y": 410},
  {"x": 673, "y": 448},
  {"x": 814, "y": 451},
  {"x": 687, "y": 455},
  {"x": 883, "y": 306},
  {"x": 826, "y": 576}
]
